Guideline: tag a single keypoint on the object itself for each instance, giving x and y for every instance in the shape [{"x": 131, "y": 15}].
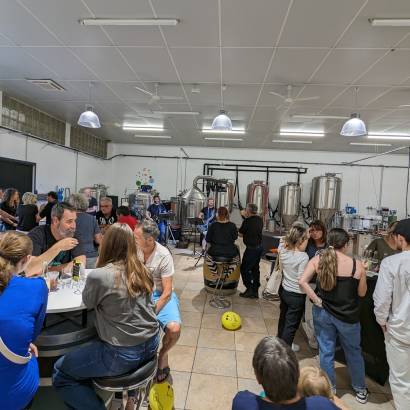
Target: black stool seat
[
  {"x": 221, "y": 259},
  {"x": 270, "y": 256},
  {"x": 131, "y": 379}
]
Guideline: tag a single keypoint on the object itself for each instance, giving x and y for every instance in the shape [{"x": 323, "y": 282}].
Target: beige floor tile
[
  {"x": 215, "y": 361},
  {"x": 216, "y": 339},
  {"x": 208, "y": 392},
  {"x": 193, "y": 294},
  {"x": 194, "y": 285},
  {"x": 244, "y": 301},
  {"x": 244, "y": 365},
  {"x": 249, "y": 384},
  {"x": 253, "y": 325},
  {"x": 211, "y": 321},
  {"x": 375, "y": 387},
  {"x": 181, "y": 358},
  {"x": 191, "y": 319},
  {"x": 376, "y": 401},
  {"x": 189, "y": 336},
  {"x": 191, "y": 305},
  {"x": 272, "y": 326},
  {"x": 247, "y": 310},
  {"x": 246, "y": 342},
  {"x": 180, "y": 384},
  {"x": 270, "y": 312}
]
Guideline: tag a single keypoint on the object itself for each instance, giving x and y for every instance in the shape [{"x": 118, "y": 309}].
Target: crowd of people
[{"x": 130, "y": 288}]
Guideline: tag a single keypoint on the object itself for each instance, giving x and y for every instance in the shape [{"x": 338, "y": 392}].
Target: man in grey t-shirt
[{"x": 159, "y": 262}]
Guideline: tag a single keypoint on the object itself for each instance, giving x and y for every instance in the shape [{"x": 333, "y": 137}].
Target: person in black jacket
[
  {"x": 251, "y": 231},
  {"x": 27, "y": 213},
  {"x": 46, "y": 211}
]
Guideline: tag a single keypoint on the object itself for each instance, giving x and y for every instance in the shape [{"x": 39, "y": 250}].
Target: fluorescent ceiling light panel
[
  {"x": 389, "y": 22},
  {"x": 292, "y": 142},
  {"x": 128, "y": 22},
  {"x": 130, "y": 127},
  {"x": 222, "y": 139},
  {"x": 177, "y": 112},
  {"x": 301, "y": 134},
  {"x": 211, "y": 131},
  {"x": 319, "y": 117},
  {"x": 370, "y": 144},
  {"x": 167, "y": 137},
  {"x": 388, "y": 137}
]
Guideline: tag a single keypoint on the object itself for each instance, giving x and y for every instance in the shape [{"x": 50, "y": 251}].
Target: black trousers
[
  {"x": 292, "y": 308},
  {"x": 250, "y": 268}
]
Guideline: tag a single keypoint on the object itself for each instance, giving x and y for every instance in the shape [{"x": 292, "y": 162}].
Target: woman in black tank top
[{"x": 337, "y": 308}]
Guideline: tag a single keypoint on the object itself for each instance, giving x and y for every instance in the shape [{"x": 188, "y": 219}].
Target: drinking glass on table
[{"x": 52, "y": 277}]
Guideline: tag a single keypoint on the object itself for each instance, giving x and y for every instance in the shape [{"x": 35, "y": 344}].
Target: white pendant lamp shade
[
  {"x": 89, "y": 119},
  {"x": 222, "y": 122},
  {"x": 354, "y": 127}
]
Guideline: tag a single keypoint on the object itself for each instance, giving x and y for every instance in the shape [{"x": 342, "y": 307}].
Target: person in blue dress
[
  {"x": 21, "y": 320},
  {"x": 153, "y": 212}
]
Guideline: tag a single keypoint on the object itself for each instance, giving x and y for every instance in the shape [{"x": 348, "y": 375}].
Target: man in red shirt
[{"x": 124, "y": 217}]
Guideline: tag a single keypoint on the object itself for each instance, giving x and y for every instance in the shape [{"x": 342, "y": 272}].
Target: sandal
[{"x": 162, "y": 374}]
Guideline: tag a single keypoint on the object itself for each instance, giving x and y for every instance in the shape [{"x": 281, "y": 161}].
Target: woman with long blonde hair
[
  {"x": 341, "y": 280},
  {"x": 120, "y": 291},
  {"x": 23, "y": 304}
]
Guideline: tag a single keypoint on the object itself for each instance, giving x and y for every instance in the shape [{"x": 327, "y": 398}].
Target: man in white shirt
[
  {"x": 392, "y": 310},
  {"x": 159, "y": 262}
]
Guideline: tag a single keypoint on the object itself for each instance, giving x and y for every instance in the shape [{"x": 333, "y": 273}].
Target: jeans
[
  {"x": 292, "y": 306},
  {"x": 328, "y": 329},
  {"x": 162, "y": 226},
  {"x": 250, "y": 268},
  {"x": 73, "y": 372}
]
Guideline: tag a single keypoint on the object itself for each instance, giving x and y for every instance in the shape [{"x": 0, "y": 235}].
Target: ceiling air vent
[{"x": 46, "y": 84}]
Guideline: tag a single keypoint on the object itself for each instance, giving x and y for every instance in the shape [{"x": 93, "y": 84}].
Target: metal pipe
[
  {"x": 376, "y": 155},
  {"x": 381, "y": 187}
]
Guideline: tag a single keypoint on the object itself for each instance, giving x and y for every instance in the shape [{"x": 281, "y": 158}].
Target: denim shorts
[{"x": 170, "y": 312}]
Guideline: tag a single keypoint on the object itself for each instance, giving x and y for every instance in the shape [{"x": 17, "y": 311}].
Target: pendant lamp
[
  {"x": 89, "y": 118},
  {"x": 354, "y": 127},
  {"x": 222, "y": 122}
]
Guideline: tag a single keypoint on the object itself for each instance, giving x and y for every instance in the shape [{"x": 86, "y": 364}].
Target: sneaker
[
  {"x": 362, "y": 396},
  {"x": 295, "y": 347},
  {"x": 249, "y": 294}
]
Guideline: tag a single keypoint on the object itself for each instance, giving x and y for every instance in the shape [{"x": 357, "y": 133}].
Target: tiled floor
[{"x": 209, "y": 364}]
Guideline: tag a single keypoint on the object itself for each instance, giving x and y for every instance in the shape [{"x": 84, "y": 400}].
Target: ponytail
[{"x": 328, "y": 267}]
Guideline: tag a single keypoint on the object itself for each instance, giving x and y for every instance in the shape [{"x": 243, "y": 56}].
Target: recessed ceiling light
[
  {"x": 388, "y": 137},
  {"x": 128, "y": 22},
  {"x": 319, "y": 117},
  {"x": 292, "y": 142},
  {"x": 390, "y": 22},
  {"x": 177, "y": 112},
  {"x": 222, "y": 139},
  {"x": 301, "y": 134},
  {"x": 131, "y": 127},
  {"x": 166, "y": 137},
  {"x": 211, "y": 131},
  {"x": 370, "y": 144}
]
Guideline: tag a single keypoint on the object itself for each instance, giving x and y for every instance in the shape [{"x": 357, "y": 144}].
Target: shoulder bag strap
[{"x": 15, "y": 358}]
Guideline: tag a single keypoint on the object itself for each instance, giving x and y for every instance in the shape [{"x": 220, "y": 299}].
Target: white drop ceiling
[{"x": 323, "y": 48}]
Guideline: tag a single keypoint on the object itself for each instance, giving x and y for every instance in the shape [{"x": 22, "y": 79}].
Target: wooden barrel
[{"x": 231, "y": 282}]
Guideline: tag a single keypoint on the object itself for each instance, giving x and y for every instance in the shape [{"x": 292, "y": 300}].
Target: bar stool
[
  {"x": 218, "y": 299},
  {"x": 139, "y": 380}
]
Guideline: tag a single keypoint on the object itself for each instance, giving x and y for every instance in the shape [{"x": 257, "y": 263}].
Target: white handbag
[{"x": 273, "y": 285}]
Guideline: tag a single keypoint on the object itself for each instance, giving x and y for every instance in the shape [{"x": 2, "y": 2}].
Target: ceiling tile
[
  {"x": 196, "y": 65},
  {"x": 106, "y": 62},
  {"x": 392, "y": 69},
  {"x": 135, "y": 36},
  {"x": 344, "y": 66},
  {"x": 151, "y": 64},
  {"x": 16, "y": 63},
  {"x": 252, "y": 23},
  {"x": 119, "y": 9},
  {"x": 312, "y": 23},
  {"x": 19, "y": 26},
  {"x": 67, "y": 29},
  {"x": 245, "y": 65},
  {"x": 294, "y": 66},
  {"x": 198, "y": 24},
  {"x": 364, "y": 96},
  {"x": 61, "y": 61}
]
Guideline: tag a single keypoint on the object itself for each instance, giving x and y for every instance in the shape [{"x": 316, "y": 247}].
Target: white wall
[
  {"x": 361, "y": 185},
  {"x": 54, "y": 165},
  {"x": 57, "y": 166}
]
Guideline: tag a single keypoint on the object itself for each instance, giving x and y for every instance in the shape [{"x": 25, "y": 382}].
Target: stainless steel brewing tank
[
  {"x": 289, "y": 203},
  {"x": 224, "y": 196},
  {"x": 192, "y": 201},
  {"x": 258, "y": 193},
  {"x": 325, "y": 196}
]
